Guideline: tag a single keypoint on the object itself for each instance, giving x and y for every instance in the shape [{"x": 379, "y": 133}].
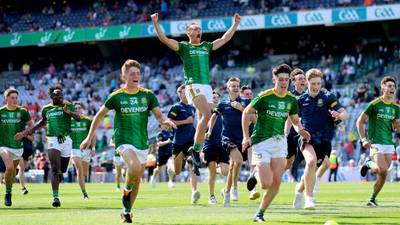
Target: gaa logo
[
  {"x": 314, "y": 18},
  {"x": 384, "y": 12},
  {"x": 216, "y": 25},
  {"x": 248, "y": 23},
  {"x": 152, "y": 30},
  {"x": 280, "y": 20},
  {"x": 348, "y": 15}
]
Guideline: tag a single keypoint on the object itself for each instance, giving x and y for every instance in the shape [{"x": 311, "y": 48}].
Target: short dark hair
[
  {"x": 180, "y": 87},
  {"x": 10, "y": 91},
  {"x": 282, "y": 68},
  {"x": 55, "y": 87},
  {"x": 244, "y": 87},
  {"x": 295, "y": 72},
  {"x": 388, "y": 79}
]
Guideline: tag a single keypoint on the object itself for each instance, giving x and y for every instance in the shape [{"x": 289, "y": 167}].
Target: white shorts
[
  {"x": 85, "y": 155},
  {"x": 194, "y": 90},
  {"x": 17, "y": 152},
  {"x": 381, "y": 149},
  {"x": 141, "y": 154},
  {"x": 118, "y": 161},
  {"x": 274, "y": 147},
  {"x": 65, "y": 148}
]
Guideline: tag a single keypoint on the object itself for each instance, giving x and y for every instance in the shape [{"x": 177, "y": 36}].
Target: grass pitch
[{"x": 342, "y": 202}]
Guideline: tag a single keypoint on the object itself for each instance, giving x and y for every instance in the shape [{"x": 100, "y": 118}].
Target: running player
[
  {"x": 268, "y": 142},
  {"x": 383, "y": 116},
  {"x": 57, "y": 117},
  {"x": 81, "y": 159},
  {"x": 214, "y": 154},
  {"x": 13, "y": 119},
  {"x": 231, "y": 112},
  {"x": 182, "y": 114},
  {"x": 28, "y": 152},
  {"x": 247, "y": 93},
  {"x": 298, "y": 78},
  {"x": 164, "y": 153},
  {"x": 132, "y": 105},
  {"x": 195, "y": 57},
  {"x": 317, "y": 108}
]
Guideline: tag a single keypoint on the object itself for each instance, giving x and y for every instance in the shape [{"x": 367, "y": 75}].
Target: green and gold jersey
[
  {"x": 380, "y": 117},
  {"x": 132, "y": 111},
  {"x": 272, "y": 111},
  {"x": 12, "y": 122},
  {"x": 79, "y": 130},
  {"x": 195, "y": 60},
  {"x": 58, "y": 122}
]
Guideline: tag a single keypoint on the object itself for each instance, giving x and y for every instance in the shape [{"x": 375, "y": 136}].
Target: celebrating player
[
  {"x": 13, "y": 119},
  {"x": 195, "y": 57},
  {"x": 383, "y": 116},
  {"x": 132, "y": 105}
]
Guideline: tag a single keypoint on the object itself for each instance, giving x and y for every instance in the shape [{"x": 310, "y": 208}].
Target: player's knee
[
  {"x": 224, "y": 171},
  {"x": 382, "y": 171},
  {"x": 312, "y": 163},
  {"x": 237, "y": 162},
  {"x": 266, "y": 183},
  {"x": 9, "y": 166},
  {"x": 207, "y": 115}
]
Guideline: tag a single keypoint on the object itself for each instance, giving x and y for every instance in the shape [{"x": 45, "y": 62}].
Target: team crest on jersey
[
  {"x": 144, "y": 100},
  {"x": 289, "y": 106},
  {"x": 18, "y": 115},
  {"x": 11, "y": 115},
  {"x": 258, "y": 155},
  {"x": 320, "y": 103},
  {"x": 281, "y": 105}
]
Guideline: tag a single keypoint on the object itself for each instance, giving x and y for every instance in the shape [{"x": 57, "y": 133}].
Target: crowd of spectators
[{"x": 16, "y": 17}]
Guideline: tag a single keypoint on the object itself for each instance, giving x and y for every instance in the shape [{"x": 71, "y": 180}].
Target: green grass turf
[{"x": 342, "y": 202}]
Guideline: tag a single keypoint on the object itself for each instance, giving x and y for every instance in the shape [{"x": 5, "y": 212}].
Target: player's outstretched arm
[
  {"x": 188, "y": 120},
  {"x": 360, "y": 128},
  {"x": 30, "y": 130},
  {"x": 170, "y": 43},
  {"x": 161, "y": 119},
  {"x": 210, "y": 125},
  {"x": 228, "y": 34},
  {"x": 93, "y": 127},
  {"x": 288, "y": 126},
  {"x": 246, "y": 121},
  {"x": 298, "y": 127},
  {"x": 164, "y": 143},
  {"x": 340, "y": 114}
]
